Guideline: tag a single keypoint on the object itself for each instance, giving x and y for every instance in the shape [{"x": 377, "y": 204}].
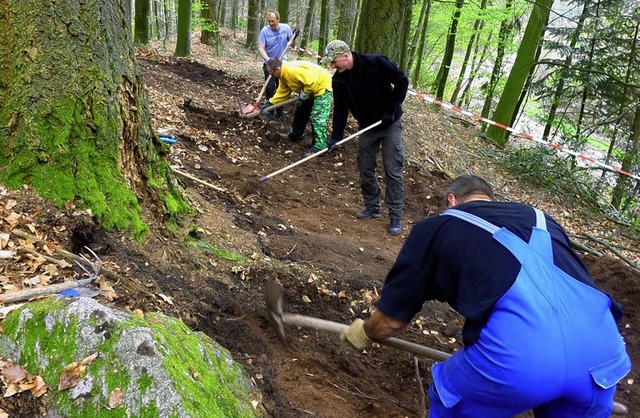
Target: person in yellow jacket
[{"x": 312, "y": 83}]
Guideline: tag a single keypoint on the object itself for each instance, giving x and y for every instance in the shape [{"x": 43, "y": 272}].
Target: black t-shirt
[{"x": 453, "y": 261}]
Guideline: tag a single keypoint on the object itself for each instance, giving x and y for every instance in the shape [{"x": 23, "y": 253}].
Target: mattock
[{"x": 278, "y": 319}]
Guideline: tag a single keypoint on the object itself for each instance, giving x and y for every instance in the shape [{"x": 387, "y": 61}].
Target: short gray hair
[{"x": 465, "y": 186}]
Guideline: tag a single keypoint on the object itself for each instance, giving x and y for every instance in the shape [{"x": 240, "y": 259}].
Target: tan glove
[{"x": 355, "y": 335}]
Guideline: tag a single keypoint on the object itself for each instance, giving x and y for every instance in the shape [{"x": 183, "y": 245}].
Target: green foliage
[
  {"x": 543, "y": 167},
  {"x": 220, "y": 253}
]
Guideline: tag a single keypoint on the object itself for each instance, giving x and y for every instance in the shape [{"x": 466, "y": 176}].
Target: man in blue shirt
[
  {"x": 272, "y": 43},
  {"x": 538, "y": 334}
]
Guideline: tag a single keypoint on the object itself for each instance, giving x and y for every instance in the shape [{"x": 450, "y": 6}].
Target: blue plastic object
[
  {"x": 70, "y": 293},
  {"x": 167, "y": 138}
]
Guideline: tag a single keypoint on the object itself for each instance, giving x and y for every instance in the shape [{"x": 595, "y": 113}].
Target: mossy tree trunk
[
  {"x": 253, "y": 24},
  {"x": 525, "y": 60},
  {"x": 210, "y": 28},
  {"x": 74, "y": 117},
  {"x": 380, "y": 28},
  {"x": 283, "y": 9},
  {"x": 183, "y": 41},
  {"x": 141, "y": 36}
]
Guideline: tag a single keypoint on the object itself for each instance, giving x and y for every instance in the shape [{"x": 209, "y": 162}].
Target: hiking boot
[
  {"x": 368, "y": 213},
  {"x": 268, "y": 115},
  {"x": 395, "y": 226},
  {"x": 293, "y": 138},
  {"x": 312, "y": 151}
]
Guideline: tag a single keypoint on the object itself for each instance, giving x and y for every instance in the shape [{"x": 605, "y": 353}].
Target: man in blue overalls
[{"x": 538, "y": 334}]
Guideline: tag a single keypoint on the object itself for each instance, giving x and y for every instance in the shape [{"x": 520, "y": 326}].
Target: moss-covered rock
[{"x": 162, "y": 367}]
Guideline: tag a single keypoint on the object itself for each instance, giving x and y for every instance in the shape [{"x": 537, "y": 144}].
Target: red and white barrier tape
[
  {"x": 557, "y": 147},
  {"x": 449, "y": 106},
  {"x": 305, "y": 51}
]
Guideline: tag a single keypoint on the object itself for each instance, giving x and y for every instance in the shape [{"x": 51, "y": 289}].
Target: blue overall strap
[
  {"x": 541, "y": 221},
  {"x": 540, "y": 240}
]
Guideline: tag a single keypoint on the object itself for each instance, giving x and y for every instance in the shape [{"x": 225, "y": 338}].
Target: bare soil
[{"x": 297, "y": 228}]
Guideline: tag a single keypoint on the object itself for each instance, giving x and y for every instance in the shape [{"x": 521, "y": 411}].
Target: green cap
[{"x": 333, "y": 49}]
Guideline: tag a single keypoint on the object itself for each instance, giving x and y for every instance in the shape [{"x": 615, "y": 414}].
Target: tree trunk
[
  {"x": 380, "y": 21},
  {"x": 283, "y": 9},
  {"x": 308, "y": 24},
  {"x": 74, "y": 117},
  {"x": 142, "y": 22},
  {"x": 210, "y": 29},
  {"x": 234, "y": 17},
  {"x": 503, "y": 36},
  {"x": 413, "y": 48},
  {"x": 421, "y": 45},
  {"x": 346, "y": 23},
  {"x": 562, "y": 77},
  {"x": 477, "y": 27},
  {"x": 253, "y": 24},
  {"x": 406, "y": 34},
  {"x": 183, "y": 42},
  {"x": 323, "y": 36},
  {"x": 445, "y": 66},
  {"x": 520, "y": 71},
  {"x": 630, "y": 157},
  {"x": 478, "y": 63}
]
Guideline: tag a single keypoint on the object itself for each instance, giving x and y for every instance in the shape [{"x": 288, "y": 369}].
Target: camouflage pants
[{"x": 317, "y": 109}]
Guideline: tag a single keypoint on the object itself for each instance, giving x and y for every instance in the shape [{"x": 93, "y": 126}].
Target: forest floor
[{"x": 297, "y": 228}]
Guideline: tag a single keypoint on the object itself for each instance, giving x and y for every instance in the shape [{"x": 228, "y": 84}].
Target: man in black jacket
[{"x": 373, "y": 89}]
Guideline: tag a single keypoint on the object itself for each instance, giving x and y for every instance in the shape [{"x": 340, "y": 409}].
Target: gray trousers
[{"x": 369, "y": 143}]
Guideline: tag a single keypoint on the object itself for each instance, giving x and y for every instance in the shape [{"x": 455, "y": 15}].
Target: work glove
[
  {"x": 332, "y": 145},
  {"x": 303, "y": 95},
  {"x": 388, "y": 117},
  {"x": 355, "y": 335},
  {"x": 296, "y": 32},
  {"x": 264, "y": 106}
]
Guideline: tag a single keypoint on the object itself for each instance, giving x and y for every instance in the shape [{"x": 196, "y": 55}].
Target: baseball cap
[{"x": 333, "y": 49}]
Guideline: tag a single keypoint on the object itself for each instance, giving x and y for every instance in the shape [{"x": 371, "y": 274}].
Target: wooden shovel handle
[{"x": 337, "y": 328}]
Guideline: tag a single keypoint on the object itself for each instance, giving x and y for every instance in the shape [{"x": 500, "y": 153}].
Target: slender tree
[
  {"x": 478, "y": 25},
  {"x": 520, "y": 71},
  {"x": 421, "y": 44},
  {"x": 253, "y": 24},
  {"x": 445, "y": 65},
  {"x": 406, "y": 34},
  {"x": 142, "y": 22},
  {"x": 308, "y": 24},
  {"x": 283, "y": 9},
  {"x": 504, "y": 35},
  {"x": 323, "y": 37},
  {"x": 413, "y": 47},
  {"x": 210, "y": 29},
  {"x": 74, "y": 116},
  {"x": 183, "y": 42}
]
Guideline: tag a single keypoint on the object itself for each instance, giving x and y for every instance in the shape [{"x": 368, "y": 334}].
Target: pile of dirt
[{"x": 297, "y": 228}]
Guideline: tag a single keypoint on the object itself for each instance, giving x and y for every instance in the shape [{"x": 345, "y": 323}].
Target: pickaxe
[{"x": 278, "y": 319}]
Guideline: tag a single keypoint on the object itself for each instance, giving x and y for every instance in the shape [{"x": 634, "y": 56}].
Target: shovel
[
  {"x": 305, "y": 159},
  {"x": 253, "y": 108},
  {"x": 275, "y": 106}
]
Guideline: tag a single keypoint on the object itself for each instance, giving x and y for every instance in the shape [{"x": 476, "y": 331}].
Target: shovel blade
[{"x": 250, "y": 108}]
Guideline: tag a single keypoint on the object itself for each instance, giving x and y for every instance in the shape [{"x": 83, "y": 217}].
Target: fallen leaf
[
  {"x": 115, "y": 398},
  {"x": 75, "y": 371},
  {"x": 138, "y": 313},
  {"x": 109, "y": 293}
]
